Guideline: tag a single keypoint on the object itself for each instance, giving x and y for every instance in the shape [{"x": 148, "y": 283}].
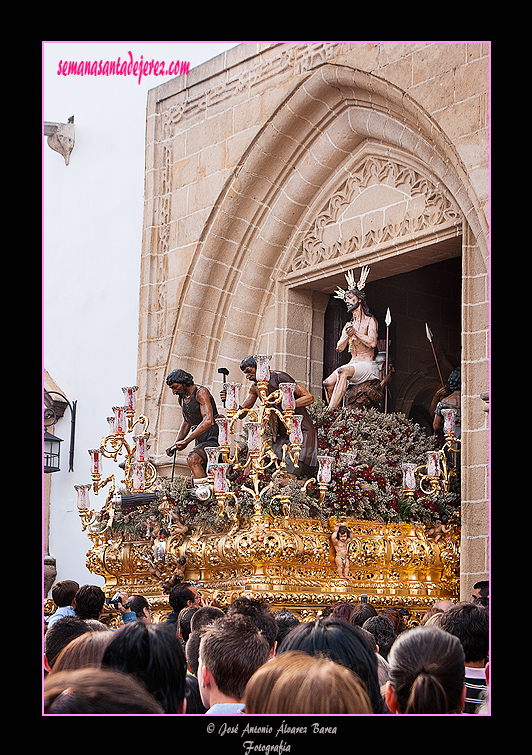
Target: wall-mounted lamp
[
  {"x": 52, "y": 452},
  {"x": 52, "y": 444}
]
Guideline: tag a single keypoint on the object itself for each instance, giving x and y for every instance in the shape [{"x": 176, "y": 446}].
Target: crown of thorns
[{"x": 351, "y": 283}]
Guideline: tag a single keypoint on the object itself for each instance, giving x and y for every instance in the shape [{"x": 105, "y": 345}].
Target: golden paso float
[{"x": 252, "y": 528}]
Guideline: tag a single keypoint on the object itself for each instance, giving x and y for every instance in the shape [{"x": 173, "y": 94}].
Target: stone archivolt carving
[
  {"x": 281, "y": 62},
  {"x": 382, "y": 200}
]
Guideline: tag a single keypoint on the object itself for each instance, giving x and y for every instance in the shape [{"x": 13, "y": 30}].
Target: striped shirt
[{"x": 475, "y": 684}]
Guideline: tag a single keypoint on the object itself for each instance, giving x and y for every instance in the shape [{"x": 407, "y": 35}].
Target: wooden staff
[{"x": 429, "y": 336}]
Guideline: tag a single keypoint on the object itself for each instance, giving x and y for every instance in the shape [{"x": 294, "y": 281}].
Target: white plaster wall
[{"x": 92, "y": 216}]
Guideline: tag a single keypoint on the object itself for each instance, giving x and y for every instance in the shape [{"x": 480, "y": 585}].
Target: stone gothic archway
[{"x": 241, "y": 291}]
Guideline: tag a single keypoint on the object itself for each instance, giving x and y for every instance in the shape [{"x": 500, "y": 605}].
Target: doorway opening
[{"x": 428, "y": 295}]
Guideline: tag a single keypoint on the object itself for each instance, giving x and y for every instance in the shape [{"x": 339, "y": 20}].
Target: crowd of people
[{"x": 248, "y": 659}]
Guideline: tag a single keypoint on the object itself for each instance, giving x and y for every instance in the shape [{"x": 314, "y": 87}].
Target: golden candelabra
[
  {"x": 139, "y": 473},
  {"x": 261, "y": 457},
  {"x": 437, "y": 474}
]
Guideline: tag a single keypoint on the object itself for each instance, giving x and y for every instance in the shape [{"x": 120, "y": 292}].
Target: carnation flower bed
[{"x": 369, "y": 488}]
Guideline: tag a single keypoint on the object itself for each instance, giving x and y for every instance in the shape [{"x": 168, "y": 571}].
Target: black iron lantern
[
  {"x": 52, "y": 442},
  {"x": 52, "y": 452}
]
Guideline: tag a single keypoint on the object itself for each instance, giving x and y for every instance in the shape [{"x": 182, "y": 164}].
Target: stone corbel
[{"x": 61, "y": 137}]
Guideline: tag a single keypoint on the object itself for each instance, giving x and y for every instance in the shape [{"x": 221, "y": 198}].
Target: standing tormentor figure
[
  {"x": 199, "y": 425},
  {"x": 308, "y": 457}
]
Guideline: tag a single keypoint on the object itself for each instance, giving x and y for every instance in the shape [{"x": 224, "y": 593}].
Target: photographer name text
[{"x": 248, "y": 730}]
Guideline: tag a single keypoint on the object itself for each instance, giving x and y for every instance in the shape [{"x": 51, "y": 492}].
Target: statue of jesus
[{"x": 360, "y": 336}]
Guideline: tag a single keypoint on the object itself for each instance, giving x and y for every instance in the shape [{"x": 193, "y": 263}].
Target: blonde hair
[
  {"x": 296, "y": 682},
  {"x": 83, "y": 652}
]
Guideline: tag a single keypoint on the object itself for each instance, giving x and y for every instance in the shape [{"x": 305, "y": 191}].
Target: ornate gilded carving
[{"x": 289, "y": 563}]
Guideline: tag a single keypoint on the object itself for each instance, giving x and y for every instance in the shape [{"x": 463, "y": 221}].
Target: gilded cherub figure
[
  {"x": 153, "y": 527},
  {"x": 340, "y": 539}
]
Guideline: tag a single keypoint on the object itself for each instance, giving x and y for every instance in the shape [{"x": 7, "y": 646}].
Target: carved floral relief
[{"x": 380, "y": 201}]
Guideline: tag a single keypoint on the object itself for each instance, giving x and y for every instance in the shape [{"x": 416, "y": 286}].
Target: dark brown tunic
[
  {"x": 308, "y": 457},
  {"x": 192, "y": 415}
]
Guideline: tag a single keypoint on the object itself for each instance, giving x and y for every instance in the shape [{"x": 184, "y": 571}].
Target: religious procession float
[
  {"x": 252, "y": 529},
  {"x": 379, "y": 520}
]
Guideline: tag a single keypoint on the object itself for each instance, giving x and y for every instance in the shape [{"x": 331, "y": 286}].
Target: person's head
[
  {"x": 426, "y": 673},
  {"x": 434, "y": 611},
  {"x": 339, "y": 640},
  {"x": 382, "y": 663},
  {"x": 84, "y": 651},
  {"x": 355, "y": 299},
  {"x": 352, "y": 300},
  {"x": 59, "y": 635},
  {"x": 95, "y": 625},
  {"x": 140, "y": 607},
  {"x": 444, "y": 604},
  {"x": 398, "y": 619},
  {"x": 481, "y": 590},
  {"x": 182, "y": 596},
  {"x": 205, "y": 615},
  {"x": 259, "y": 613},
  {"x": 95, "y": 691},
  {"x": 231, "y": 650},
  {"x": 285, "y": 620},
  {"x": 249, "y": 367},
  {"x": 64, "y": 592},
  {"x": 455, "y": 379},
  {"x": 368, "y": 636},
  {"x": 434, "y": 620},
  {"x": 90, "y": 601},
  {"x": 298, "y": 683},
  {"x": 179, "y": 380},
  {"x": 192, "y": 651},
  {"x": 342, "y": 610},
  {"x": 382, "y": 629},
  {"x": 184, "y": 619},
  {"x": 361, "y": 612},
  {"x": 470, "y": 623},
  {"x": 154, "y": 656}
]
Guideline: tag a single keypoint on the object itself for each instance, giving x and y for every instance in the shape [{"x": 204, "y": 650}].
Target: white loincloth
[{"x": 363, "y": 371}]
